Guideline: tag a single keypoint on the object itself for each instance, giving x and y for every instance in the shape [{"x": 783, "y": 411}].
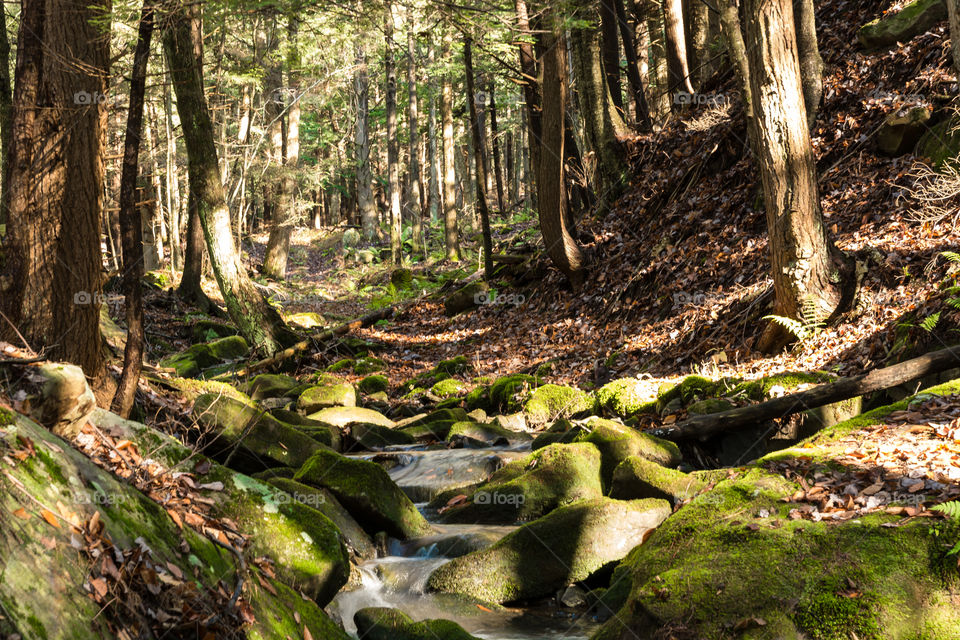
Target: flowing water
[{"x": 399, "y": 579}]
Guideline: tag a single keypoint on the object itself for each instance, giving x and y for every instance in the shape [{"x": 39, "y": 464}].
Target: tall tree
[
  {"x": 393, "y": 144},
  {"x": 256, "y": 320},
  {"x": 495, "y": 144},
  {"x": 641, "y": 107},
  {"x": 51, "y": 266},
  {"x": 130, "y": 222},
  {"x": 6, "y": 115},
  {"x": 553, "y": 212},
  {"x": 697, "y": 22},
  {"x": 676, "y": 45},
  {"x": 811, "y": 64},
  {"x": 610, "y": 48},
  {"x": 448, "y": 163},
  {"x": 413, "y": 147},
  {"x": 361, "y": 92},
  {"x": 479, "y": 154},
  {"x": 530, "y": 84},
  {"x": 808, "y": 270}
]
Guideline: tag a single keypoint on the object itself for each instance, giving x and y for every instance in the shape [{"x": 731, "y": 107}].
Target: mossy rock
[
  {"x": 637, "y": 478},
  {"x": 941, "y": 144},
  {"x": 488, "y": 433},
  {"x": 61, "y": 608},
  {"x": 566, "y": 546},
  {"x": 760, "y": 390},
  {"x": 508, "y": 393},
  {"x": 446, "y": 416},
  {"x": 401, "y": 279},
  {"x": 192, "y": 362},
  {"x": 455, "y": 366},
  {"x": 324, "y": 396},
  {"x": 465, "y": 299},
  {"x": 550, "y": 402},
  {"x": 376, "y": 623},
  {"x": 343, "y": 416},
  {"x": 915, "y": 18},
  {"x": 345, "y": 364},
  {"x": 449, "y": 388},
  {"x": 259, "y": 440},
  {"x": 533, "y": 486},
  {"x": 306, "y": 320},
  {"x": 207, "y": 330},
  {"x": 367, "y": 365},
  {"x": 902, "y": 130},
  {"x": 324, "y": 502},
  {"x": 373, "y": 437},
  {"x": 627, "y": 397},
  {"x": 618, "y": 442},
  {"x": 367, "y": 492},
  {"x": 690, "y": 389},
  {"x": 479, "y": 398},
  {"x": 732, "y": 554},
  {"x": 271, "y": 385},
  {"x": 326, "y": 434},
  {"x": 710, "y": 405},
  {"x": 373, "y": 384}
]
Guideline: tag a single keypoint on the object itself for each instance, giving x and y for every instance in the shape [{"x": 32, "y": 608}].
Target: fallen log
[
  {"x": 706, "y": 426},
  {"x": 303, "y": 345}
]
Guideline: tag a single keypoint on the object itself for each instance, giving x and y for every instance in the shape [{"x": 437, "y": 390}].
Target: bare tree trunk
[
  {"x": 365, "y": 202},
  {"x": 610, "y": 51},
  {"x": 479, "y": 154},
  {"x": 495, "y": 145},
  {"x": 413, "y": 149},
  {"x": 449, "y": 163},
  {"x": 659, "y": 84},
  {"x": 432, "y": 151},
  {"x": 811, "y": 64},
  {"x": 393, "y": 145},
  {"x": 6, "y": 119},
  {"x": 552, "y": 198},
  {"x": 173, "y": 182},
  {"x": 130, "y": 221},
  {"x": 256, "y": 320},
  {"x": 697, "y": 22},
  {"x": 677, "y": 65},
  {"x": 641, "y": 107},
  {"x": 51, "y": 265},
  {"x": 807, "y": 268},
  {"x": 531, "y": 89}
]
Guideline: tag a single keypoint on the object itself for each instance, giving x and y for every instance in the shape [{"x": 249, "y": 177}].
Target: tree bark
[
  {"x": 677, "y": 66},
  {"x": 130, "y": 221},
  {"x": 807, "y": 268},
  {"x": 495, "y": 146},
  {"x": 641, "y": 107},
  {"x": 256, "y": 320},
  {"x": 393, "y": 145},
  {"x": 451, "y": 234},
  {"x": 6, "y": 118},
  {"x": 610, "y": 50},
  {"x": 432, "y": 150},
  {"x": 707, "y": 426},
  {"x": 531, "y": 88},
  {"x": 953, "y": 10},
  {"x": 413, "y": 147},
  {"x": 659, "y": 85},
  {"x": 562, "y": 248},
  {"x": 50, "y": 273},
  {"x": 737, "y": 50},
  {"x": 811, "y": 64},
  {"x": 697, "y": 22},
  {"x": 365, "y": 202},
  {"x": 479, "y": 154}
]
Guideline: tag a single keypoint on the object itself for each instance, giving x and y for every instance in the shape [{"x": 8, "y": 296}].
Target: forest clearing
[{"x": 417, "y": 320}]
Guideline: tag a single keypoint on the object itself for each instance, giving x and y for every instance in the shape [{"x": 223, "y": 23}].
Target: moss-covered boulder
[
  {"x": 375, "y": 623},
  {"x": 209, "y": 330},
  {"x": 486, "y": 433},
  {"x": 373, "y": 384},
  {"x": 532, "y": 486},
  {"x": 458, "y": 365},
  {"x": 941, "y": 144},
  {"x": 401, "y": 278},
  {"x": 192, "y": 362},
  {"x": 449, "y": 388},
  {"x": 508, "y": 393},
  {"x": 320, "y": 397},
  {"x": 343, "y": 416},
  {"x": 709, "y": 405},
  {"x": 548, "y": 554},
  {"x": 361, "y": 436},
  {"x": 720, "y": 562},
  {"x": 627, "y": 397},
  {"x": 323, "y": 501},
  {"x": 326, "y": 434},
  {"x": 551, "y": 402},
  {"x": 271, "y": 385},
  {"x": 435, "y": 424},
  {"x": 467, "y": 298},
  {"x": 689, "y": 390},
  {"x": 637, "y": 478},
  {"x": 902, "y": 26},
  {"x": 779, "y": 384},
  {"x": 902, "y": 129},
  {"x": 618, "y": 442},
  {"x": 367, "y": 365},
  {"x": 367, "y": 492},
  {"x": 255, "y": 438}
]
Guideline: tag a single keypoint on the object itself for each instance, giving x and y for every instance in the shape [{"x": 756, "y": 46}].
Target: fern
[
  {"x": 795, "y": 327},
  {"x": 951, "y": 256},
  {"x": 950, "y": 509},
  {"x": 930, "y": 322},
  {"x": 809, "y": 324}
]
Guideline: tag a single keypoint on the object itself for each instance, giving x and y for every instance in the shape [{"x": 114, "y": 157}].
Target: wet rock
[
  {"x": 377, "y": 623},
  {"x": 423, "y": 475},
  {"x": 486, "y": 434},
  {"x": 361, "y": 436},
  {"x": 192, "y": 362},
  {"x": 548, "y": 554},
  {"x": 367, "y": 492}
]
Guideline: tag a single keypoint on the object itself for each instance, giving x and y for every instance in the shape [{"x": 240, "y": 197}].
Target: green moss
[
  {"x": 320, "y": 397},
  {"x": 626, "y": 397},
  {"x": 486, "y": 432},
  {"x": 270, "y": 385},
  {"x": 509, "y": 392},
  {"x": 479, "y": 398},
  {"x": 346, "y": 364},
  {"x": 448, "y": 388},
  {"x": 915, "y": 18},
  {"x": 7, "y": 417},
  {"x": 367, "y": 365},
  {"x": 710, "y": 405},
  {"x": 373, "y": 384},
  {"x": 759, "y": 390},
  {"x": 617, "y": 442},
  {"x": 690, "y": 389},
  {"x": 637, "y": 477},
  {"x": 391, "y": 624},
  {"x": 454, "y": 366},
  {"x": 829, "y": 616},
  {"x": 551, "y": 402}
]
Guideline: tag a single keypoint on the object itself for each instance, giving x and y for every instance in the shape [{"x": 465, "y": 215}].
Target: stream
[{"x": 398, "y": 580}]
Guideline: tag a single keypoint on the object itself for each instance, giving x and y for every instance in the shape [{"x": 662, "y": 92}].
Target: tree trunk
[
  {"x": 677, "y": 66},
  {"x": 413, "y": 148},
  {"x": 495, "y": 146},
  {"x": 806, "y": 266},
  {"x": 552, "y": 197},
  {"x": 697, "y": 22},
  {"x": 393, "y": 145},
  {"x": 659, "y": 85},
  {"x": 6, "y": 119},
  {"x": 449, "y": 163},
  {"x": 531, "y": 88},
  {"x": 479, "y": 154},
  {"x": 610, "y": 50},
  {"x": 641, "y": 107},
  {"x": 256, "y": 320},
  {"x": 953, "y": 10},
  {"x": 432, "y": 151},
  {"x": 811, "y": 64},
  {"x": 365, "y": 202},
  {"x": 603, "y": 124},
  {"x": 51, "y": 266},
  {"x": 131, "y": 223},
  {"x": 737, "y": 50},
  {"x": 173, "y": 182}
]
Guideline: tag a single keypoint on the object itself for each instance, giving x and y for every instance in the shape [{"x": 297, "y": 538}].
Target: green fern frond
[
  {"x": 795, "y": 327},
  {"x": 951, "y": 509},
  {"x": 951, "y": 256},
  {"x": 930, "y": 322},
  {"x": 954, "y": 303}
]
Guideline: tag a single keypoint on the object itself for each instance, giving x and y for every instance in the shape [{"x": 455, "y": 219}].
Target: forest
[{"x": 480, "y": 320}]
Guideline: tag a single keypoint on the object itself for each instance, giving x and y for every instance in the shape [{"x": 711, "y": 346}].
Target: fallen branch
[
  {"x": 303, "y": 345},
  {"x": 707, "y": 426}
]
